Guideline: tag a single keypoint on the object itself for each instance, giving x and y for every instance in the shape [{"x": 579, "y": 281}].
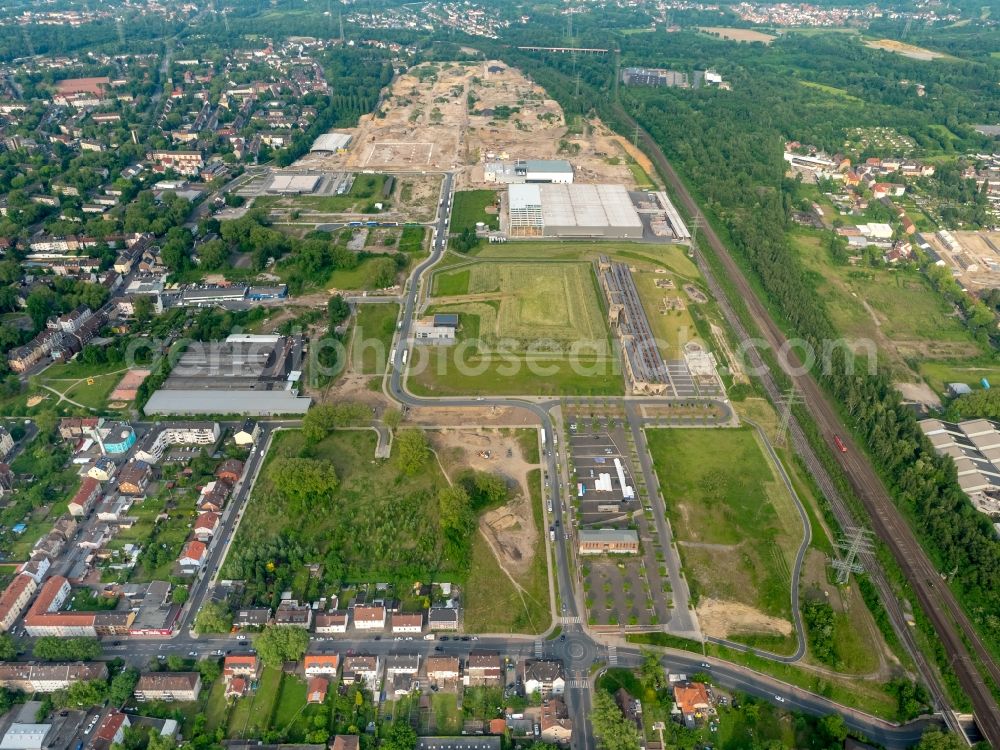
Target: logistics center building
[{"x": 571, "y": 210}]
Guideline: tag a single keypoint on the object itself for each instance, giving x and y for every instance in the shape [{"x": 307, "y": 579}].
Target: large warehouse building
[
  {"x": 528, "y": 170},
  {"x": 554, "y": 210},
  {"x": 333, "y": 143}
]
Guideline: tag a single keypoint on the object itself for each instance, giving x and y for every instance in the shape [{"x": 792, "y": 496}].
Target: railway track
[{"x": 938, "y": 602}]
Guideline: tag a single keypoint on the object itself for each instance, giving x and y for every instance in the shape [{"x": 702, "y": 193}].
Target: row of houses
[
  {"x": 59, "y": 340},
  {"x": 363, "y": 618}
]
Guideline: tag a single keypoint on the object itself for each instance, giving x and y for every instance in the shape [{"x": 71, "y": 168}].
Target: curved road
[{"x": 579, "y": 651}]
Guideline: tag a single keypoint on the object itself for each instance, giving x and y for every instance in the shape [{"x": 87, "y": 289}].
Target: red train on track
[{"x": 840, "y": 444}]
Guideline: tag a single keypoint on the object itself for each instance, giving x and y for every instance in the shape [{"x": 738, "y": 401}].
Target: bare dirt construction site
[
  {"x": 440, "y": 116},
  {"x": 906, "y": 50},
  {"x": 738, "y": 35},
  {"x": 510, "y": 529},
  {"x": 725, "y": 619}
]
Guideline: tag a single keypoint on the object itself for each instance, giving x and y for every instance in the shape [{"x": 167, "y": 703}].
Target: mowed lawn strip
[
  {"x": 735, "y": 523},
  {"x": 373, "y": 336},
  {"x": 470, "y": 207}
]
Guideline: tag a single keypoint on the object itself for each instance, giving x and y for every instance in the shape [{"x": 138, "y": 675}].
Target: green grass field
[
  {"x": 412, "y": 239},
  {"x": 831, "y": 90},
  {"x": 352, "y": 278},
  {"x": 381, "y": 523},
  {"x": 735, "y": 523},
  {"x": 373, "y": 336},
  {"x": 535, "y": 327},
  {"x": 251, "y": 715},
  {"x": 470, "y": 207},
  {"x": 971, "y": 372},
  {"x": 494, "y": 605},
  {"x": 877, "y": 305}
]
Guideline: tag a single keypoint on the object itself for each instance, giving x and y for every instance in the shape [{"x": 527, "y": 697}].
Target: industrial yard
[{"x": 469, "y": 114}]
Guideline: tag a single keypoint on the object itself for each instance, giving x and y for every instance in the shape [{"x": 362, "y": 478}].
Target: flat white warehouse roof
[
  {"x": 331, "y": 142},
  {"x": 569, "y": 205},
  {"x": 293, "y": 183}
]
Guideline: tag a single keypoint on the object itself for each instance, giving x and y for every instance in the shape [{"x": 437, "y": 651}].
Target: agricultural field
[
  {"x": 737, "y": 35},
  {"x": 736, "y": 527},
  {"x": 522, "y": 326},
  {"x": 907, "y": 50}
]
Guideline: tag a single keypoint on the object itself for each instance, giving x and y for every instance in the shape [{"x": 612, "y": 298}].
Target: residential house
[
  {"x": 442, "y": 618},
  {"x": 361, "y": 668},
  {"x": 193, "y": 554},
  {"x": 544, "y": 677},
  {"x": 102, "y": 470},
  {"x": 483, "y": 668},
  {"x": 6, "y": 443},
  {"x": 396, "y": 664},
  {"x": 34, "y": 677},
  {"x": 134, "y": 477},
  {"x": 85, "y": 497},
  {"x": 691, "y": 701},
  {"x": 213, "y": 496},
  {"x": 292, "y": 614},
  {"x": 15, "y": 598},
  {"x": 554, "y": 722},
  {"x": 316, "y": 691},
  {"x": 44, "y": 617},
  {"x": 442, "y": 669},
  {"x": 407, "y": 623},
  {"x": 369, "y": 617},
  {"x": 241, "y": 665},
  {"x": 231, "y": 470},
  {"x": 110, "y": 730},
  {"x": 248, "y": 434},
  {"x": 205, "y": 526},
  {"x": 321, "y": 664},
  {"x": 331, "y": 622},
  {"x": 251, "y": 618},
  {"x": 346, "y": 742},
  {"x": 168, "y": 686}
]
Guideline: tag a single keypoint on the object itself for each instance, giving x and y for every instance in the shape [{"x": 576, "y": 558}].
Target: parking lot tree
[
  {"x": 277, "y": 645},
  {"x": 54, "y": 648},
  {"x": 413, "y": 451},
  {"x": 214, "y": 617},
  {"x": 613, "y": 730},
  {"x": 303, "y": 483}
]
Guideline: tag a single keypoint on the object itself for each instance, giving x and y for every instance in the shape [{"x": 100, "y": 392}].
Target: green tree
[
  {"x": 158, "y": 741},
  {"x": 176, "y": 663},
  {"x": 179, "y": 595},
  {"x": 413, "y": 451},
  {"x": 143, "y": 308},
  {"x": 613, "y": 730},
  {"x": 392, "y": 418},
  {"x": 381, "y": 273},
  {"x": 337, "y": 310},
  {"x": 277, "y": 645},
  {"x": 935, "y": 739},
  {"x": 210, "y": 670},
  {"x": 303, "y": 482},
  {"x": 398, "y": 736},
  {"x": 8, "y": 649},
  {"x": 122, "y": 686},
  {"x": 54, "y": 648},
  {"x": 83, "y": 694},
  {"x": 214, "y": 617}
]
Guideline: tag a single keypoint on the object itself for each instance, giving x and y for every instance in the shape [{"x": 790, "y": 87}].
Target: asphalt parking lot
[{"x": 593, "y": 453}]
